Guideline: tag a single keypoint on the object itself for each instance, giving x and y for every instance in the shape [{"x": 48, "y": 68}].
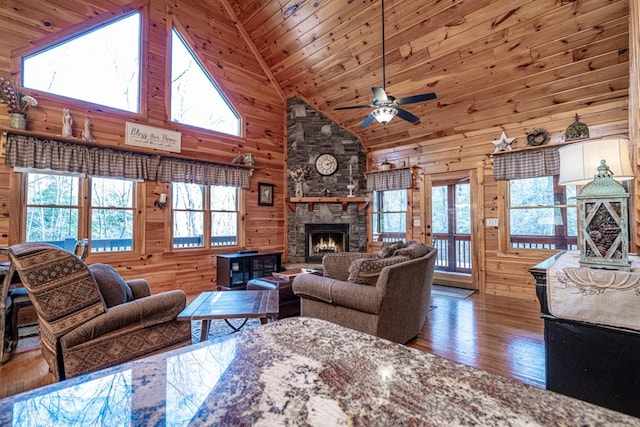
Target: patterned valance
[
  {"x": 180, "y": 170},
  {"x": 526, "y": 164},
  {"x": 39, "y": 153},
  {"x": 396, "y": 179}
]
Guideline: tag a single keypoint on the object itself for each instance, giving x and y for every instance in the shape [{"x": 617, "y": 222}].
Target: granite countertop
[{"x": 298, "y": 371}]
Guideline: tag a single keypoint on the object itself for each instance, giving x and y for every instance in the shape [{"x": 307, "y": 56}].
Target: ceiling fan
[{"x": 386, "y": 106}]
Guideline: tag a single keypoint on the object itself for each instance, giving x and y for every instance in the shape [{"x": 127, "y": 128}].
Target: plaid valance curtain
[
  {"x": 180, "y": 170},
  {"x": 40, "y": 153},
  {"x": 396, "y": 179},
  {"x": 526, "y": 164}
]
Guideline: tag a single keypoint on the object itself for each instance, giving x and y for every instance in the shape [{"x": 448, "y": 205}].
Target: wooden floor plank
[{"x": 498, "y": 334}]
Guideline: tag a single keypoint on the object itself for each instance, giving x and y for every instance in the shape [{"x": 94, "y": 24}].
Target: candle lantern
[{"x": 603, "y": 222}]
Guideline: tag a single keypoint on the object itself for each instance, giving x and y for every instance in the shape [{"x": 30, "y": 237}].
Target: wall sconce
[{"x": 162, "y": 201}]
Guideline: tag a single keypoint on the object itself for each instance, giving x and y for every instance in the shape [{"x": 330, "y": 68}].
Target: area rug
[
  {"x": 452, "y": 292},
  {"x": 220, "y": 328}
]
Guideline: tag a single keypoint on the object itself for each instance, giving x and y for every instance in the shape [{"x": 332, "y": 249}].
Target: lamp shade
[
  {"x": 579, "y": 162},
  {"x": 384, "y": 114}
]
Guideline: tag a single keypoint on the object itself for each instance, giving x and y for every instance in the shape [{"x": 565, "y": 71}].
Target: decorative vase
[
  {"x": 18, "y": 121},
  {"x": 298, "y": 189}
]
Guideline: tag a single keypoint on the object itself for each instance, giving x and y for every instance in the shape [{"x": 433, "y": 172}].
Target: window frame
[
  {"x": 207, "y": 226},
  {"x": 504, "y": 232},
  {"x": 85, "y": 210},
  {"x": 377, "y": 210},
  {"x": 77, "y": 31}
]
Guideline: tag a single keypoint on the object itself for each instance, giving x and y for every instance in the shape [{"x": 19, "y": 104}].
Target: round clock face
[{"x": 326, "y": 164}]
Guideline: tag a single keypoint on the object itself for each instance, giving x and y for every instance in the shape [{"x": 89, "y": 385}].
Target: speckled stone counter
[{"x": 298, "y": 371}]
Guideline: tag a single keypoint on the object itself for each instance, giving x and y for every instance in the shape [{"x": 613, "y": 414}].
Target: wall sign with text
[{"x": 150, "y": 137}]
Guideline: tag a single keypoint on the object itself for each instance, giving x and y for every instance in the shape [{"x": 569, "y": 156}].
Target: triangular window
[
  {"x": 195, "y": 98},
  {"x": 101, "y": 66}
]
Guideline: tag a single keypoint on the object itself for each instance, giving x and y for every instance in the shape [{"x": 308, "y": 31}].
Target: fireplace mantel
[{"x": 362, "y": 201}]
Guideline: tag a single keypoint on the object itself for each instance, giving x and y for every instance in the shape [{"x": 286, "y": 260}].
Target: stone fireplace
[
  {"x": 324, "y": 212},
  {"x": 322, "y": 239}
]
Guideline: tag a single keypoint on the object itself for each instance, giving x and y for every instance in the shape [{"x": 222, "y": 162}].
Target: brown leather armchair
[{"x": 89, "y": 317}]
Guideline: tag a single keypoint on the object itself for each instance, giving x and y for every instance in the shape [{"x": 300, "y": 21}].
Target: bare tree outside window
[{"x": 101, "y": 66}]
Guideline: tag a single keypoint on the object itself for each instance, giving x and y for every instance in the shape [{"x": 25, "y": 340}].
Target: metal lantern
[{"x": 603, "y": 221}]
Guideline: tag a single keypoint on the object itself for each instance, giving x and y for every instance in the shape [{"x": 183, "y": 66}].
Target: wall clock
[{"x": 326, "y": 164}]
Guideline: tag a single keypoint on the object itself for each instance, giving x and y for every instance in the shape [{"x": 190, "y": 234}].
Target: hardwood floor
[{"x": 498, "y": 334}]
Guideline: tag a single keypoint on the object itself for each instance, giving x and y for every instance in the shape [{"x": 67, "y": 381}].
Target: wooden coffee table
[{"x": 231, "y": 305}]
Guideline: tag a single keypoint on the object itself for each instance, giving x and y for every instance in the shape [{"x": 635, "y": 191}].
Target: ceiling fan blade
[
  {"x": 404, "y": 114},
  {"x": 379, "y": 94},
  {"x": 367, "y": 121},
  {"x": 351, "y": 107},
  {"x": 416, "y": 98}
]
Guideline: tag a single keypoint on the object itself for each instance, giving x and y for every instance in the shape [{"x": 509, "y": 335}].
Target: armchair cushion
[
  {"x": 388, "y": 248},
  {"x": 366, "y": 270},
  {"x": 113, "y": 288}
]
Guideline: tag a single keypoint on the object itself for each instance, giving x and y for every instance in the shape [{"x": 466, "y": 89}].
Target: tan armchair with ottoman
[
  {"x": 386, "y": 294},
  {"x": 89, "y": 317}
]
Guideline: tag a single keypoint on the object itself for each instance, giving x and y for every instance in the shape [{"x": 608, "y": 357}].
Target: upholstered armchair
[
  {"x": 90, "y": 318},
  {"x": 386, "y": 294}
]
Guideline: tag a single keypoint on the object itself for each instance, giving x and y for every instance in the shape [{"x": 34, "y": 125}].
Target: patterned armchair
[{"x": 89, "y": 317}]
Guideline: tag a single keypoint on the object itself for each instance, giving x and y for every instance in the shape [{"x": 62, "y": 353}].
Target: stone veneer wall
[{"x": 310, "y": 134}]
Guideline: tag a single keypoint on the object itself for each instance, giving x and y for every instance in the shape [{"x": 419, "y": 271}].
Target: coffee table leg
[
  {"x": 204, "y": 331},
  {"x": 239, "y": 327}
]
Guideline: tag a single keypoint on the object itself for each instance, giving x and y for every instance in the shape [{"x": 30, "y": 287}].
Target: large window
[
  {"x": 204, "y": 216},
  {"x": 101, "y": 66},
  {"x": 61, "y": 209},
  {"x": 542, "y": 214},
  {"x": 195, "y": 98},
  {"x": 389, "y": 216}
]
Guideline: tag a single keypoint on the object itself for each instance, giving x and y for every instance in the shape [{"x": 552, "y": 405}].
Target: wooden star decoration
[{"x": 503, "y": 144}]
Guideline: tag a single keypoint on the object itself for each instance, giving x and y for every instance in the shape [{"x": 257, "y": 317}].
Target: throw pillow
[
  {"x": 365, "y": 271},
  {"x": 388, "y": 248},
  {"x": 414, "y": 249},
  {"x": 113, "y": 288}
]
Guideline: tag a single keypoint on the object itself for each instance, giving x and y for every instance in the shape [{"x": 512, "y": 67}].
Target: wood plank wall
[
  {"x": 216, "y": 40},
  {"x": 605, "y": 109}
]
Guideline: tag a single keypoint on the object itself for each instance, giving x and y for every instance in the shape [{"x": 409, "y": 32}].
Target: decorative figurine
[
  {"x": 67, "y": 121},
  {"x": 86, "y": 133},
  {"x": 576, "y": 130},
  {"x": 503, "y": 144}
]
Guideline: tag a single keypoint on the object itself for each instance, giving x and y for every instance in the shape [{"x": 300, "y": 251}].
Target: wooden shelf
[{"x": 362, "y": 201}]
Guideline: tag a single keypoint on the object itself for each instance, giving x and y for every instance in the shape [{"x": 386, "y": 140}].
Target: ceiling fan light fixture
[{"x": 384, "y": 114}]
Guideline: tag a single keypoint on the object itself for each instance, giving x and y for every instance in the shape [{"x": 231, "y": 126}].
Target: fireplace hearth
[{"x": 322, "y": 239}]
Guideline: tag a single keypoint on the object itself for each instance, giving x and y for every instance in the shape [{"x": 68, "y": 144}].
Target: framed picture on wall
[{"x": 265, "y": 194}]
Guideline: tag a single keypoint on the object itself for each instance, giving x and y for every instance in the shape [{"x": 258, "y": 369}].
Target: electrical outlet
[
  {"x": 492, "y": 222},
  {"x": 416, "y": 222}
]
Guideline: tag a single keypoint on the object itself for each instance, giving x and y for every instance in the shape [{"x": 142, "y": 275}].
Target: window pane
[
  {"x": 195, "y": 99},
  {"x": 439, "y": 209},
  {"x": 188, "y": 229},
  {"x": 115, "y": 193},
  {"x": 52, "y": 190},
  {"x": 111, "y": 230},
  {"x": 463, "y": 208},
  {"x": 224, "y": 198},
  {"x": 533, "y": 222},
  {"x": 187, "y": 196},
  {"x": 531, "y": 191},
  {"x": 224, "y": 228},
  {"x": 101, "y": 66},
  {"x": 53, "y": 225}
]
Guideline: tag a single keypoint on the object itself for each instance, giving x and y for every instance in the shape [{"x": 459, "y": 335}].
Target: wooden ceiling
[
  {"x": 494, "y": 64},
  {"x": 491, "y": 62}
]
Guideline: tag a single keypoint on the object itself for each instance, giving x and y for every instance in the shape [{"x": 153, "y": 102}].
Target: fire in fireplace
[{"x": 322, "y": 239}]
